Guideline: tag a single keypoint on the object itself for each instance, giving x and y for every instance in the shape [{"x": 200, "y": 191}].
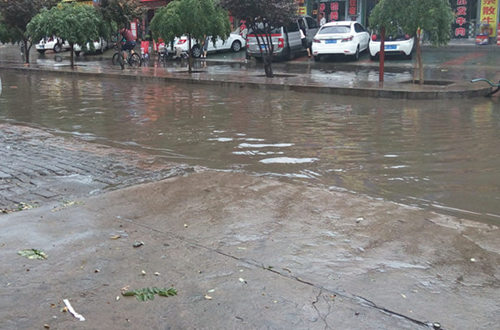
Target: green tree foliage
[
  {"x": 75, "y": 23},
  {"x": 120, "y": 12},
  {"x": 194, "y": 18},
  {"x": 262, "y": 16},
  {"x": 15, "y": 16},
  {"x": 434, "y": 17}
]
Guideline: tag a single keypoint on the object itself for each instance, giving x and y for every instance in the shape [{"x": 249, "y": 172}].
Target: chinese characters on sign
[
  {"x": 460, "y": 26},
  {"x": 353, "y": 7},
  {"x": 489, "y": 10},
  {"x": 334, "y": 11}
]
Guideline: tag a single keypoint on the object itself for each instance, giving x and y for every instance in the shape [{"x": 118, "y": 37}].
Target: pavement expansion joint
[{"x": 359, "y": 300}]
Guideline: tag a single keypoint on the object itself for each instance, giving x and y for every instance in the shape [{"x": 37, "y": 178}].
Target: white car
[
  {"x": 100, "y": 46},
  {"x": 52, "y": 43},
  {"x": 342, "y": 37},
  {"x": 401, "y": 44},
  {"x": 235, "y": 42}
]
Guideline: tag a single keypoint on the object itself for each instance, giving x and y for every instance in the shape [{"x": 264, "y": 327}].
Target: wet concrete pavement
[{"x": 243, "y": 252}]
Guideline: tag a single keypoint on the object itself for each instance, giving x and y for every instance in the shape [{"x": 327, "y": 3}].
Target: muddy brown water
[{"x": 442, "y": 155}]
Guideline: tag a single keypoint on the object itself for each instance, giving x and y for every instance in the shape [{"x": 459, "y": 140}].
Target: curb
[{"x": 390, "y": 90}]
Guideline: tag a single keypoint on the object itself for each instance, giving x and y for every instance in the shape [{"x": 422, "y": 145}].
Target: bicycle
[{"x": 133, "y": 59}]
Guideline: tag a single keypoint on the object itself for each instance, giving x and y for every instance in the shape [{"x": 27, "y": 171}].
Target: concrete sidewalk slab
[{"x": 268, "y": 254}]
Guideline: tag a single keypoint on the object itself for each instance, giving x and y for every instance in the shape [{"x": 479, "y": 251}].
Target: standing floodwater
[{"x": 439, "y": 154}]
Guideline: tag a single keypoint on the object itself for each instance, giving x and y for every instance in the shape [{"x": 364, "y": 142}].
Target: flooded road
[{"x": 437, "y": 154}]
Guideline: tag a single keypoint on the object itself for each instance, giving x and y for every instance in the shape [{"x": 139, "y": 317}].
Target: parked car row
[
  {"x": 52, "y": 43},
  {"x": 98, "y": 46},
  {"x": 347, "y": 38},
  {"x": 58, "y": 45},
  {"x": 235, "y": 42}
]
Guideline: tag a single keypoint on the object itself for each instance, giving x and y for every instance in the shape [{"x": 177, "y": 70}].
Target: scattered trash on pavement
[
  {"x": 33, "y": 254},
  {"x": 138, "y": 244},
  {"x": 72, "y": 311}
]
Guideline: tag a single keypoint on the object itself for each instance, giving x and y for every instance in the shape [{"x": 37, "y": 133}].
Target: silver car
[{"x": 286, "y": 40}]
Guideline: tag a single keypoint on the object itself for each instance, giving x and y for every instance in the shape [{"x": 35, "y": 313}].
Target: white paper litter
[{"x": 72, "y": 311}]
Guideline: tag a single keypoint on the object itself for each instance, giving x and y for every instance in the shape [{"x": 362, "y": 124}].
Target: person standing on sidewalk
[
  {"x": 322, "y": 19},
  {"x": 303, "y": 38},
  {"x": 206, "y": 40}
]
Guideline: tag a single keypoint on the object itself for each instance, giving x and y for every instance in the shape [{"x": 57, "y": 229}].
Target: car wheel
[
  {"x": 41, "y": 51},
  {"x": 57, "y": 48},
  {"x": 408, "y": 57},
  {"x": 196, "y": 51},
  {"x": 317, "y": 58},
  {"x": 373, "y": 57},
  {"x": 356, "y": 55},
  {"x": 236, "y": 46}
]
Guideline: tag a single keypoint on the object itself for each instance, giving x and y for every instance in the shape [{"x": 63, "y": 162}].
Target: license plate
[
  {"x": 331, "y": 41},
  {"x": 262, "y": 46},
  {"x": 42, "y": 46},
  {"x": 389, "y": 47}
]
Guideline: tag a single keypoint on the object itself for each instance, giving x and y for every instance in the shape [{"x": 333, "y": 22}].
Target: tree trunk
[
  {"x": 420, "y": 63},
  {"x": 381, "y": 56},
  {"x": 26, "y": 51},
  {"x": 190, "y": 55},
  {"x": 71, "y": 55},
  {"x": 418, "y": 68},
  {"x": 268, "y": 66}
]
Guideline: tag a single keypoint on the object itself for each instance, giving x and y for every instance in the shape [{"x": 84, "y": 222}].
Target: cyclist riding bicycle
[{"x": 129, "y": 41}]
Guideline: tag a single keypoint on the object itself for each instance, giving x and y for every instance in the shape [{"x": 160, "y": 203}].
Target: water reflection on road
[{"x": 441, "y": 154}]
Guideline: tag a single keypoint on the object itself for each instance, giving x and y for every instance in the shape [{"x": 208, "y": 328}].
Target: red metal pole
[{"x": 381, "y": 55}]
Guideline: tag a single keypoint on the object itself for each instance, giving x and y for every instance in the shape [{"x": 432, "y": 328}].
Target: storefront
[
  {"x": 151, "y": 6},
  {"x": 472, "y": 17},
  {"x": 341, "y": 10}
]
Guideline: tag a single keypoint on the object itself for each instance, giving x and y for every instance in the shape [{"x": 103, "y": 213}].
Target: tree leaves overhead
[
  {"x": 432, "y": 16},
  {"x": 72, "y": 22},
  {"x": 191, "y": 17},
  {"x": 16, "y": 14},
  {"x": 274, "y": 13},
  {"x": 121, "y": 12}
]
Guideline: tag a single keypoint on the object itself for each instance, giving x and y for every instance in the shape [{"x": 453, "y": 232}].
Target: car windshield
[{"x": 335, "y": 29}]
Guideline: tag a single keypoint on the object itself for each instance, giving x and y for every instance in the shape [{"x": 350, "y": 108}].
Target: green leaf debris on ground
[
  {"x": 33, "y": 254},
  {"x": 149, "y": 293}
]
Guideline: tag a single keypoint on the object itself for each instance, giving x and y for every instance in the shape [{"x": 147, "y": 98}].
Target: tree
[
  {"x": 15, "y": 16},
  {"x": 75, "y": 23},
  {"x": 194, "y": 18},
  {"x": 432, "y": 16},
  {"x": 120, "y": 12},
  {"x": 262, "y": 16}
]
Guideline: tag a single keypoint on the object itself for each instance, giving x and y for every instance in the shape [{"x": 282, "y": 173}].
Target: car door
[
  {"x": 293, "y": 37},
  {"x": 312, "y": 28},
  {"x": 219, "y": 44},
  {"x": 362, "y": 36}
]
